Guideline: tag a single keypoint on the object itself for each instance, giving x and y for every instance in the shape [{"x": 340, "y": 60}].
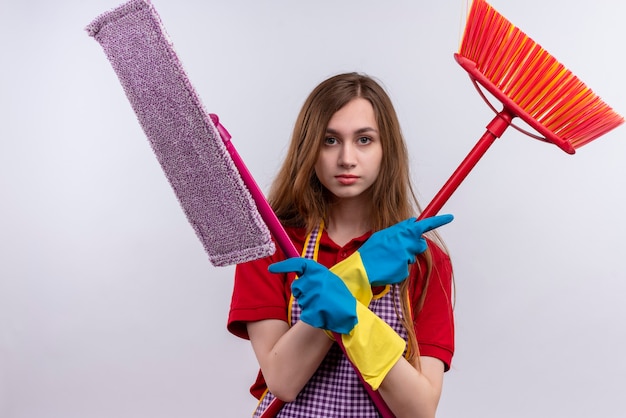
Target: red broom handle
[
  {"x": 495, "y": 129},
  {"x": 285, "y": 244}
]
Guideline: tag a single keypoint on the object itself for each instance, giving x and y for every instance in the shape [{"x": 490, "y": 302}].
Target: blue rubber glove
[
  {"x": 325, "y": 300},
  {"x": 386, "y": 255}
]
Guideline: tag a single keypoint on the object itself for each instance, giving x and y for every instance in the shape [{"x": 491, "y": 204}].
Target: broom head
[{"x": 530, "y": 82}]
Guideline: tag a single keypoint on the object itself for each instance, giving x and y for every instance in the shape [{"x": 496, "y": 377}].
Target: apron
[{"x": 335, "y": 390}]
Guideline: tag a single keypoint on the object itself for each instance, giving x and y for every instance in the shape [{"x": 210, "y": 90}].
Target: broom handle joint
[{"x": 495, "y": 129}]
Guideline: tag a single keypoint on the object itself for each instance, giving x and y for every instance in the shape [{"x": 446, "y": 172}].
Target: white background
[{"x": 108, "y": 304}]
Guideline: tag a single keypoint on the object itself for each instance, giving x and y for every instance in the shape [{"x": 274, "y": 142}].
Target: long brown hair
[{"x": 299, "y": 199}]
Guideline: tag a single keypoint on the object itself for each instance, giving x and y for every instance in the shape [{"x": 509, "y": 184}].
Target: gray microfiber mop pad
[{"x": 186, "y": 142}]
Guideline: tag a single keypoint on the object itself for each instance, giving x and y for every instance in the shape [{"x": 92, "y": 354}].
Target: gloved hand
[
  {"x": 385, "y": 257},
  {"x": 370, "y": 343},
  {"x": 325, "y": 300}
]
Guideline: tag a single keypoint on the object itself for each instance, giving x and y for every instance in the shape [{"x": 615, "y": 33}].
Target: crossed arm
[
  {"x": 290, "y": 356},
  {"x": 337, "y": 300}
]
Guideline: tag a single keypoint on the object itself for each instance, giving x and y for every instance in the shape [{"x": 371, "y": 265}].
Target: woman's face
[{"x": 350, "y": 158}]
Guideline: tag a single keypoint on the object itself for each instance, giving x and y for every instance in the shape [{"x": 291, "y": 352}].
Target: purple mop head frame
[{"x": 183, "y": 136}]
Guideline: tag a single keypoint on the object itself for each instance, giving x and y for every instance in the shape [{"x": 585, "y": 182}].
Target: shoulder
[
  {"x": 431, "y": 279},
  {"x": 441, "y": 262},
  {"x": 257, "y": 293},
  {"x": 438, "y": 253},
  {"x": 435, "y": 260}
]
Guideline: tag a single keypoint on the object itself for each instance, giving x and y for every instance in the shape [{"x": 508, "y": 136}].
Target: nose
[{"x": 347, "y": 155}]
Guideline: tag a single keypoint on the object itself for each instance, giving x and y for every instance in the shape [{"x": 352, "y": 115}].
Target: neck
[{"x": 348, "y": 219}]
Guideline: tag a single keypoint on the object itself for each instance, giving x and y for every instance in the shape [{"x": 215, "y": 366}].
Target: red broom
[{"x": 530, "y": 84}]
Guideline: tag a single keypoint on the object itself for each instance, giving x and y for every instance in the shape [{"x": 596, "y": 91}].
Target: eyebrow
[{"x": 358, "y": 131}]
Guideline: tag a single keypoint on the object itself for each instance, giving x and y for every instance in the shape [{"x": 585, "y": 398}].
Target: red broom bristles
[{"x": 549, "y": 96}]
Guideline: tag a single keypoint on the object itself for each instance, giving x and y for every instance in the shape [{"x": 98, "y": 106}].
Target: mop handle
[
  {"x": 268, "y": 215},
  {"x": 284, "y": 242}
]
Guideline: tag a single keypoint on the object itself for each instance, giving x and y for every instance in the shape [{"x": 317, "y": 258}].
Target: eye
[
  {"x": 330, "y": 140},
  {"x": 364, "y": 140}
]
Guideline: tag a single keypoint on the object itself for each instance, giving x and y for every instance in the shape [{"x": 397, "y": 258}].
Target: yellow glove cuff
[
  {"x": 352, "y": 272},
  {"x": 372, "y": 346}
]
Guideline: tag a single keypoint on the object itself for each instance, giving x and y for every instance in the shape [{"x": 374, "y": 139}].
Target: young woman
[{"x": 345, "y": 198}]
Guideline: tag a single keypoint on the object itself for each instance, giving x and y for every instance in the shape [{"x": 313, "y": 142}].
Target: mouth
[{"x": 347, "y": 179}]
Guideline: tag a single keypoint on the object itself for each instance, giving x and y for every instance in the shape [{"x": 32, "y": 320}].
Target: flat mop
[
  {"x": 222, "y": 201},
  {"x": 183, "y": 136}
]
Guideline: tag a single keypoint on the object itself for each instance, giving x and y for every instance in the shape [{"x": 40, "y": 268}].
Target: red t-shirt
[{"x": 259, "y": 294}]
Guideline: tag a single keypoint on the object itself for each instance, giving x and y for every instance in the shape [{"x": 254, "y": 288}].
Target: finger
[
  {"x": 291, "y": 265},
  {"x": 429, "y": 224},
  {"x": 296, "y": 291}
]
